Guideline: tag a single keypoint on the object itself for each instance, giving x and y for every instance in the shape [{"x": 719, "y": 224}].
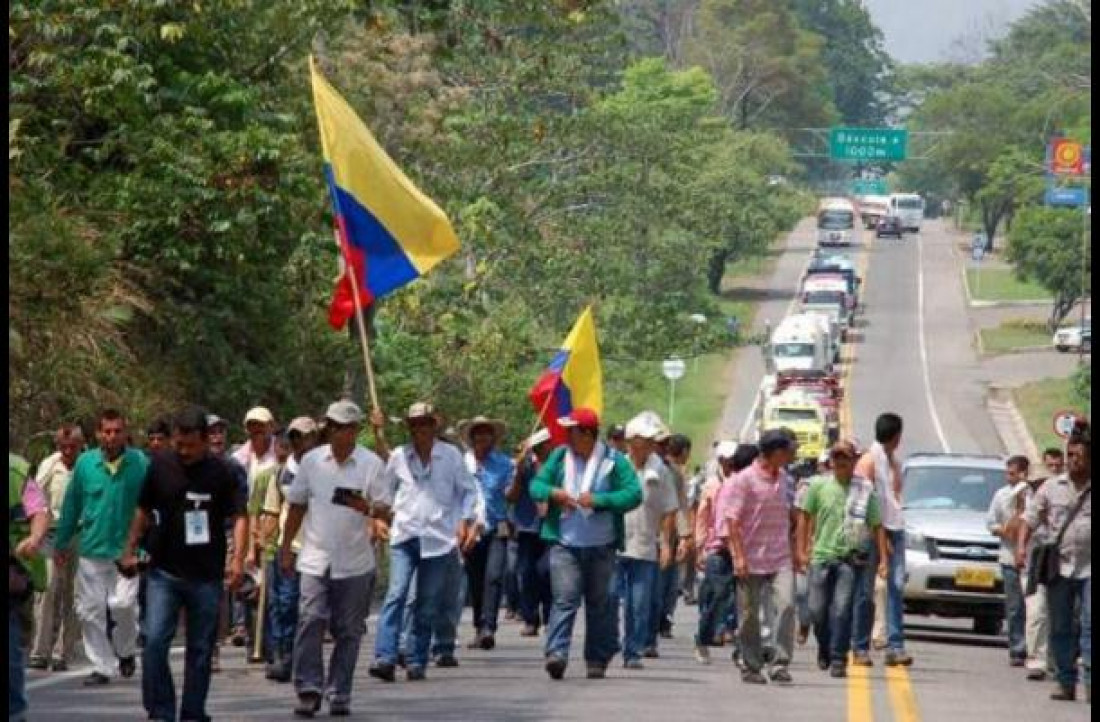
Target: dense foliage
[{"x": 169, "y": 234}]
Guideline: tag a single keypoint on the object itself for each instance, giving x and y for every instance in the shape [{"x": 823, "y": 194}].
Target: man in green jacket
[
  {"x": 100, "y": 503},
  {"x": 589, "y": 488}
]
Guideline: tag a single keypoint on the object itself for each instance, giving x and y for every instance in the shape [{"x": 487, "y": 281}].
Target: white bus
[
  {"x": 836, "y": 219},
  {"x": 909, "y": 207}
]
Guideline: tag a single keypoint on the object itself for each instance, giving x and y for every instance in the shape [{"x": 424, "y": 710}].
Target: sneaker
[
  {"x": 555, "y": 667},
  {"x": 446, "y": 661},
  {"x": 309, "y": 704},
  {"x": 40, "y": 663},
  {"x": 751, "y": 677},
  {"x": 529, "y": 630},
  {"x": 488, "y": 642},
  {"x": 780, "y": 675},
  {"x": 650, "y": 653},
  {"x": 838, "y": 670},
  {"x": 60, "y": 665},
  {"x": 1037, "y": 675},
  {"x": 95, "y": 679},
  {"x": 127, "y": 666},
  {"x": 1064, "y": 693},
  {"x": 339, "y": 709},
  {"x": 597, "y": 671},
  {"x": 633, "y": 664},
  {"x": 862, "y": 659},
  {"x": 702, "y": 654},
  {"x": 898, "y": 659},
  {"x": 415, "y": 674},
  {"x": 382, "y": 671}
]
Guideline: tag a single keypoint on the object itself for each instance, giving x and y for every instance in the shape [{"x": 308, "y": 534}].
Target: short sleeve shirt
[
  {"x": 761, "y": 504},
  {"x": 178, "y": 497},
  {"x": 643, "y": 525},
  {"x": 842, "y": 516}
]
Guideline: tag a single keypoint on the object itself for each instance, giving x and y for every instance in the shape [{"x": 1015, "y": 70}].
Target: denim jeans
[
  {"x": 1070, "y": 605},
  {"x": 634, "y": 583},
  {"x": 486, "y": 569},
  {"x": 432, "y": 599},
  {"x": 668, "y": 592},
  {"x": 864, "y": 613},
  {"x": 17, "y": 692},
  {"x": 716, "y": 598},
  {"x": 576, "y": 574},
  {"x": 832, "y": 587},
  {"x": 201, "y": 601},
  {"x": 511, "y": 577},
  {"x": 338, "y": 605},
  {"x": 802, "y": 600},
  {"x": 1015, "y": 615},
  {"x": 445, "y": 624},
  {"x": 534, "y": 579},
  {"x": 283, "y": 594}
]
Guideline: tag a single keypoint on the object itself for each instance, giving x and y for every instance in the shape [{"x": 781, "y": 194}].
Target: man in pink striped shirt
[{"x": 758, "y": 534}]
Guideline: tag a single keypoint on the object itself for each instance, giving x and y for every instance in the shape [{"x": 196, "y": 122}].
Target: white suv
[{"x": 1074, "y": 338}]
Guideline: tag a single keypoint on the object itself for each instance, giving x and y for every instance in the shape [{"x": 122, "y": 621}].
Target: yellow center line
[
  {"x": 859, "y": 695},
  {"x": 902, "y": 698}
]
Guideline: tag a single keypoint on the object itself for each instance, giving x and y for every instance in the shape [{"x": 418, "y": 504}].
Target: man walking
[
  {"x": 589, "y": 488},
  {"x": 100, "y": 502},
  {"x": 757, "y": 530},
  {"x": 839, "y": 517},
  {"x": 881, "y": 465},
  {"x": 487, "y": 564},
  {"x": 434, "y": 501},
  {"x": 534, "y": 584},
  {"x": 28, "y": 524},
  {"x": 638, "y": 567},
  {"x": 1039, "y": 661},
  {"x": 332, "y": 494},
  {"x": 1003, "y": 521},
  {"x": 57, "y": 631},
  {"x": 1065, "y": 504},
  {"x": 187, "y": 499}
]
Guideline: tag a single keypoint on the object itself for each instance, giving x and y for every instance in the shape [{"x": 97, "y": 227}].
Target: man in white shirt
[
  {"x": 434, "y": 501},
  {"x": 1003, "y": 521},
  {"x": 332, "y": 494}
]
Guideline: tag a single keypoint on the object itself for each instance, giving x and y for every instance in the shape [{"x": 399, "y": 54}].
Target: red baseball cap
[{"x": 584, "y": 418}]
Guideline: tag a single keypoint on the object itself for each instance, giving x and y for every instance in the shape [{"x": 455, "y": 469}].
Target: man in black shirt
[{"x": 188, "y": 498}]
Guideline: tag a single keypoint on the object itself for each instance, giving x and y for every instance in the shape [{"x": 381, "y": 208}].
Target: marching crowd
[{"x": 275, "y": 546}]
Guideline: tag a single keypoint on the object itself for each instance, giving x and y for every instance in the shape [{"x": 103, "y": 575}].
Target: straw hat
[{"x": 466, "y": 428}]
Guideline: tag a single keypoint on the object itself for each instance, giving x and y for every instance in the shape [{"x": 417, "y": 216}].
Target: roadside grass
[
  {"x": 1000, "y": 284},
  {"x": 1039, "y": 401},
  {"x": 1015, "y": 334}
]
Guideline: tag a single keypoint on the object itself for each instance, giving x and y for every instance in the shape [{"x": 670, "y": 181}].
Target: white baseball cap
[
  {"x": 642, "y": 427},
  {"x": 260, "y": 414},
  {"x": 303, "y": 425},
  {"x": 725, "y": 449},
  {"x": 344, "y": 412}
]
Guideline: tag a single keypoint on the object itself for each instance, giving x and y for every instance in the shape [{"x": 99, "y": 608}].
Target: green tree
[{"x": 1048, "y": 246}]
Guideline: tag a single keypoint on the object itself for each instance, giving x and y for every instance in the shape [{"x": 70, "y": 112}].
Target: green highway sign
[
  {"x": 868, "y": 143},
  {"x": 869, "y": 187}
]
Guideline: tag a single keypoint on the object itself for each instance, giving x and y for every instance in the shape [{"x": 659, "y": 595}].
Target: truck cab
[
  {"x": 800, "y": 344},
  {"x": 803, "y": 415}
]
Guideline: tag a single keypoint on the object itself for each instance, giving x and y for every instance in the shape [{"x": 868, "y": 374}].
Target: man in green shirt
[
  {"x": 840, "y": 514},
  {"x": 100, "y": 502}
]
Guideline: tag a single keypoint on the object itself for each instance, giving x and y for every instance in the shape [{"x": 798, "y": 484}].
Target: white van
[{"x": 909, "y": 207}]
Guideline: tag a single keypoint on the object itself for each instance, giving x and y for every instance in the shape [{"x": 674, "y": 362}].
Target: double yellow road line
[{"x": 860, "y": 681}]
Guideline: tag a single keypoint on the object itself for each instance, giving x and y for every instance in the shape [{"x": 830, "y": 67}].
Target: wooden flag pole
[{"x": 349, "y": 269}]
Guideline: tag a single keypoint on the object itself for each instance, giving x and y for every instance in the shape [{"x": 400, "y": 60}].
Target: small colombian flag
[
  {"x": 390, "y": 233},
  {"x": 573, "y": 380}
]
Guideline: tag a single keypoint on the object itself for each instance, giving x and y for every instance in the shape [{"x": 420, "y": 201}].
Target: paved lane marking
[
  {"x": 859, "y": 695},
  {"x": 925, "y": 368},
  {"x": 902, "y": 699}
]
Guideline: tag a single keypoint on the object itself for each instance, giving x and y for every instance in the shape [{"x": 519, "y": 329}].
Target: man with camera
[{"x": 840, "y": 515}]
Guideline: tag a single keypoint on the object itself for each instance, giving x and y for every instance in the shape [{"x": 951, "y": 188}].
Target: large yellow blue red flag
[
  {"x": 573, "y": 380},
  {"x": 390, "y": 233}
]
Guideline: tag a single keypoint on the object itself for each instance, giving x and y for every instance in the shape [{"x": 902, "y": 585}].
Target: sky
[{"x": 922, "y": 31}]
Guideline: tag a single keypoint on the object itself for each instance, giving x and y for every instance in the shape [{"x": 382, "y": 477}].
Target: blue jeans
[
  {"x": 634, "y": 583},
  {"x": 486, "y": 568},
  {"x": 576, "y": 574},
  {"x": 445, "y": 625},
  {"x": 1070, "y": 609},
  {"x": 432, "y": 600},
  {"x": 864, "y": 613},
  {"x": 832, "y": 587},
  {"x": 716, "y": 598},
  {"x": 283, "y": 594},
  {"x": 534, "y": 579},
  {"x": 511, "y": 577},
  {"x": 17, "y": 692},
  {"x": 201, "y": 601},
  {"x": 1015, "y": 612},
  {"x": 668, "y": 594}
]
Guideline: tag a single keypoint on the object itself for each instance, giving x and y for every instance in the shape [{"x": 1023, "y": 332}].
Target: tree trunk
[{"x": 716, "y": 270}]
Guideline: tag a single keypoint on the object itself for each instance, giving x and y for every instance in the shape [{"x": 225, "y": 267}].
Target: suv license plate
[{"x": 975, "y": 578}]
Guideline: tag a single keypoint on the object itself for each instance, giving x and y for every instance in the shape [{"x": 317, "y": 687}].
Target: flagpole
[{"x": 349, "y": 269}]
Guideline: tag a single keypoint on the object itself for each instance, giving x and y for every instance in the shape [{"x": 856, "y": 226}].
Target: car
[
  {"x": 889, "y": 226},
  {"x": 1074, "y": 338},
  {"x": 951, "y": 558}
]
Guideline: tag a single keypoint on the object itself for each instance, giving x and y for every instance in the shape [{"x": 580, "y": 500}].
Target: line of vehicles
[{"x": 888, "y": 216}]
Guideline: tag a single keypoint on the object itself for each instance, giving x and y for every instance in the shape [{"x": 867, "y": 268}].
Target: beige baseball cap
[{"x": 259, "y": 413}]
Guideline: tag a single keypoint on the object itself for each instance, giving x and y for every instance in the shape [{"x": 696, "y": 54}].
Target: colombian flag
[
  {"x": 572, "y": 380},
  {"x": 390, "y": 233}
]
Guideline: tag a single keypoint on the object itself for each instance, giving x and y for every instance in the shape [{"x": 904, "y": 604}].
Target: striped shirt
[{"x": 761, "y": 504}]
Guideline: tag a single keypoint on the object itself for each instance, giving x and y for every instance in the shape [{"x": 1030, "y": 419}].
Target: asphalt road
[{"x": 957, "y": 676}]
